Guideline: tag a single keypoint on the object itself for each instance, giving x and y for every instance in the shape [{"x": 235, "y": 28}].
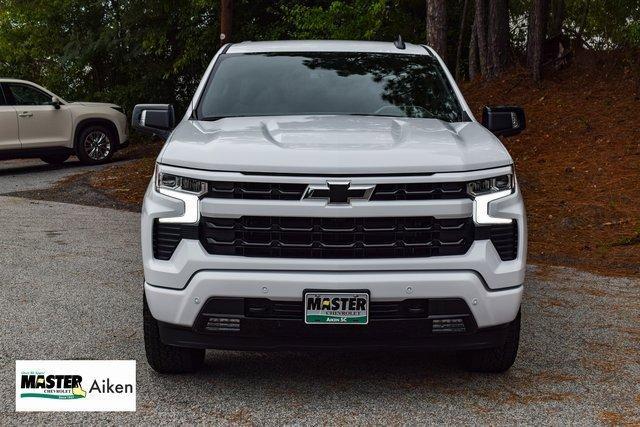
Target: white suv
[
  {"x": 37, "y": 123},
  {"x": 331, "y": 195}
]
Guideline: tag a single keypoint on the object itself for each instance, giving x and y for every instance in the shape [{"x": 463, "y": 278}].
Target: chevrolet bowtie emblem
[{"x": 336, "y": 193}]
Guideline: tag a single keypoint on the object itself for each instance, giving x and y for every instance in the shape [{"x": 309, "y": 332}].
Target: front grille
[
  {"x": 382, "y": 192},
  {"x": 166, "y": 238},
  {"x": 293, "y": 237}
]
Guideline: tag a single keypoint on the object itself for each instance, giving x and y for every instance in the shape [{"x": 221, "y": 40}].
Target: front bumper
[
  {"x": 266, "y": 335},
  {"x": 181, "y": 306}
]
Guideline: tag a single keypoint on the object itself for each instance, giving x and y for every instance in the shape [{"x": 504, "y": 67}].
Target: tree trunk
[
  {"x": 460, "y": 40},
  {"x": 498, "y": 40},
  {"x": 535, "y": 37},
  {"x": 437, "y": 26},
  {"x": 481, "y": 33},
  {"x": 473, "y": 52},
  {"x": 558, "y": 12},
  {"x": 226, "y": 21}
]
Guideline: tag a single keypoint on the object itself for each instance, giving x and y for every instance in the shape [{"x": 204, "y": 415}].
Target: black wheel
[
  {"x": 55, "y": 159},
  {"x": 95, "y": 145},
  {"x": 167, "y": 359},
  {"x": 498, "y": 359}
]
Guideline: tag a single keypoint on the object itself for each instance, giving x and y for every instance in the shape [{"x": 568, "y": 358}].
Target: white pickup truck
[
  {"x": 326, "y": 195},
  {"x": 35, "y": 122}
]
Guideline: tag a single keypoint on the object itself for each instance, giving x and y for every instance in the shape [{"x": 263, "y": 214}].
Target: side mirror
[
  {"x": 154, "y": 119},
  {"x": 504, "y": 120},
  {"x": 55, "y": 101}
]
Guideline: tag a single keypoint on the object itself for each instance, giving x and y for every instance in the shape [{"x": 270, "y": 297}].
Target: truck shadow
[{"x": 312, "y": 374}]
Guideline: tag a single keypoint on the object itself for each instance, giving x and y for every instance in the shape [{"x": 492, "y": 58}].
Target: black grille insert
[
  {"x": 166, "y": 238},
  {"x": 294, "y": 237},
  {"x": 504, "y": 238},
  {"x": 420, "y": 191},
  {"x": 255, "y": 190}
]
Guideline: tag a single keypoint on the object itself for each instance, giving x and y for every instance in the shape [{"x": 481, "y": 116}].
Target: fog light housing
[
  {"x": 222, "y": 324},
  {"x": 448, "y": 325}
]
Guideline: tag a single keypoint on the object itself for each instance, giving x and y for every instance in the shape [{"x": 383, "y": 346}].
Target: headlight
[
  {"x": 490, "y": 185},
  {"x": 188, "y": 190},
  {"x": 180, "y": 183},
  {"x": 485, "y": 191}
]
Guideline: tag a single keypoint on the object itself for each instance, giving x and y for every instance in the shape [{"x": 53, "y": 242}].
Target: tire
[
  {"x": 498, "y": 359},
  {"x": 95, "y": 145},
  {"x": 167, "y": 359},
  {"x": 55, "y": 159}
]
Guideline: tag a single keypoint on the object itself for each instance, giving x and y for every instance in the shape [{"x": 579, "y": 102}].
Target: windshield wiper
[
  {"x": 213, "y": 118},
  {"x": 371, "y": 115}
]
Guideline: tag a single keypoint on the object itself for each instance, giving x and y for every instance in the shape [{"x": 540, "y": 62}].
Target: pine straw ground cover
[{"x": 578, "y": 163}]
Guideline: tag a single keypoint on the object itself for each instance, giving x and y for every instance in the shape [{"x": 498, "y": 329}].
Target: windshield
[{"x": 310, "y": 83}]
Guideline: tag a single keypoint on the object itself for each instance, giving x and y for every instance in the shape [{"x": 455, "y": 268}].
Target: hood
[
  {"x": 94, "y": 104},
  {"x": 327, "y": 145}
]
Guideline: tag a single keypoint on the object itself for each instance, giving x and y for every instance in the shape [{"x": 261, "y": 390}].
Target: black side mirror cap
[
  {"x": 504, "y": 120},
  {"x": 154, "y": 119}
]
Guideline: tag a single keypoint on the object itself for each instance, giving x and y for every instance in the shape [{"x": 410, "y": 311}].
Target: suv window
[
  {"x": 28, "y": 95},
  {"x": 341, "y": 83},
  {"x": 2, "y": 100}
]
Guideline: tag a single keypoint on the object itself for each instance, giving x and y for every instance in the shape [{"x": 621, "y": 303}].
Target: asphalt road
[
  {"x": 71, "y": 281},
  {"x": 34, "y": 174}
]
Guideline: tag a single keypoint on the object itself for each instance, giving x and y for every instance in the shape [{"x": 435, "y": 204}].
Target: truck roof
[
  {"x": 326, "y": 46},
  {"x": 9, "y": 80}
]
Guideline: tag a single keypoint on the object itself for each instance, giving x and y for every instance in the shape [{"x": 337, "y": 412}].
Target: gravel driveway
[{"x": 71, "y": 288}]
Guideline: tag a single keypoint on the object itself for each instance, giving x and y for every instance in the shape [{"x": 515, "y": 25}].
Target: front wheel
[
  {"x": 95, "y": 145},
  {"x": 498, "y": 359},
  {"x": 167, "y": 359}
]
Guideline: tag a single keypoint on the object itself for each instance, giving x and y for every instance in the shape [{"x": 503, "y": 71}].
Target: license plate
[{"x": 336, "y": 308}]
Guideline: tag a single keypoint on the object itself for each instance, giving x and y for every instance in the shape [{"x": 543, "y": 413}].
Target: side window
[
  {"x": 27, "y": 95},
  {"x": 2, "y": 100}
]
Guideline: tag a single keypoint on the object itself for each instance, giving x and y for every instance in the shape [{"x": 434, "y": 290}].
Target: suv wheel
[
  {"x": 167, "y": 359},
  {"x": 55, "y": 159},
  {"x": 95, "y": 145},
  {"x": 498, "y": 359}
]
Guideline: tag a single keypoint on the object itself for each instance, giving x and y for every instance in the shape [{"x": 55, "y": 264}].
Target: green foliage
[
  {"x": 119, "y": 51},
  {"x": 353, "y": 20},
  {"x": 130, "y": 51},
  {"x": 604, "y": 24},
  {"x": 340, "y": 20}
]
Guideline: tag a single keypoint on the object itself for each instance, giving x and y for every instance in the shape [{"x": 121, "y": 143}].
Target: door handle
[{"x": 25, "y": 114}]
